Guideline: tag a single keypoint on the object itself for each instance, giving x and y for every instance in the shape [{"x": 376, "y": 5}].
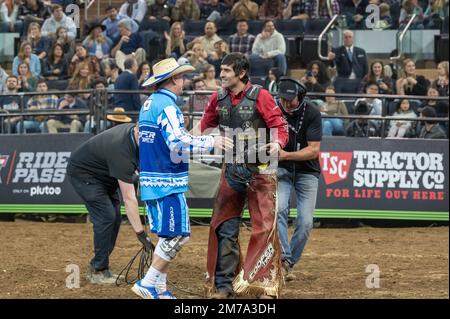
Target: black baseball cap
[
  {"x": 427, "y": 111},
  {"x": 290, "y": 88}
]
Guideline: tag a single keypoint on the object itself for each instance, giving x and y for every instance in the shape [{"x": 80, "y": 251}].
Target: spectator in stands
[
  {"x": 209, "y": 78},
  {"x": 270, "y": 44},
  {"x": 82, "y": 79},
  {"x": 134, "y": 9},
  {"x": 434, "y": 14},
  {"x": 175, "y": 41},
  {"x": 355, "y": 12},
  {"x": 221, "y": 49},
  {"x": 3, "y": 77},
  {"x": 295, "y": 10},
  {"x": 362, "y": 127},
  {"x": 72, "y": 122},
  {"x": 26, "y": 55},
  {"x": 127, "y": 45},
  {"x": 55, "y": 66},
  {"x": 40, "y": 45},
  {"x": 242, "y": 41},
  {"x": 97, "y": 44},
  {"x": 351, "y": 64},
  {"x": 332, "y": 107},
  {"x": 110, "y": 71},
  {"x": 128, "y": 80},
  {"x": 245, "y": 10},
  {"x": 213, "y": 10},
  {"x": 322, "y": 9},
  {"x": 27, "y": 82},
  {"x": 161, "y": 9},
  {"x": 441, "y": 82},
  {"x": 375, "y": 104},
  {"x": 409, "y": 8},
  {"x": 402, "y": 128},
  {"x": 271, "y": 9},
  {"x": 33, "y": 11},
  {"x": 209, "y": 39},
  {"x": 441, "y": 107},
  {"x": 200, "y": 100},
  {"x": 36, "y": 124},
  {"x": 81, "y": 55},
  {"x": 272, "y": 80},
  {"x": 10, "y": 102},
  {"x": 112, "y": 21},
  {"x": 185, "y": 10},
  {"x": 385, "y": 21},
  {"x": 431, "y": 130},
  {"x": 316, "y": 78},
  {"x": 410, "y": 83},
  {"x": 376, "y": 74},
  {"x": 143, "y": 72},
  {"x": 197, "y": 57},
  {"x": 62, "y": 37},
  {"x": 59, "y": 19},
  {"x": 9, "y": 20}
]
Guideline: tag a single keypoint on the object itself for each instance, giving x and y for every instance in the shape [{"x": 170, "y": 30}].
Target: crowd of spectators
[{"x": 114, "y": 53}]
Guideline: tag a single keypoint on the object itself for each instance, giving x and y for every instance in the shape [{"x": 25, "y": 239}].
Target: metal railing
[
  {"x": 98, "y": 107},
  {"x": 319, "y": 46},
  {"x": 400, "y": 41}
]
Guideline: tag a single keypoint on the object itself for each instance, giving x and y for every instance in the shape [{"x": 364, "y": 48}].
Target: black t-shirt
[
  {"x": 310, "y": 131},
  {"x": 107, "y": 157}
]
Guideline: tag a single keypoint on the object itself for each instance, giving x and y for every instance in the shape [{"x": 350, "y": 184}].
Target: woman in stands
[
  {"x": 434, "y": 14},
  {"x": 197, "y": 57},
  {"x": 272, "y": 80},
  {"x": 143, "y": 72},
  {"x": 376, "y": 74},
  {"x": 26, "y": 55},
  {"x": 40, "y": 44},
  {"x": 410, "y": 83},
  {"x": 62, "y": 37},
  {"x": 27, "y": 82},
  {"x": 441, "y": 82},
  {"x": 81, "y": 55},
  {"x": 175, "y": 41},
  {"x": 82, "y": 79},
  {"x": 316, "y": 77},
  {"x": 54, "y": 67},
  {"x": 209, "y": 77},
  {"x": 332, "y": 106},
  {"x": 98, "y": 44},
  {"x": 271, "y": 9}
]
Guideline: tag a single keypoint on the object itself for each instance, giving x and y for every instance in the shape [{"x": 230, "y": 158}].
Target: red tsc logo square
[{"x": 335, "y": 165}]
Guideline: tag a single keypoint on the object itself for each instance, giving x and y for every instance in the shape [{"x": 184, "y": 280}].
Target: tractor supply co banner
[
  {"x": 33, "y": 168},
  {"x": 401, "y": 177}
]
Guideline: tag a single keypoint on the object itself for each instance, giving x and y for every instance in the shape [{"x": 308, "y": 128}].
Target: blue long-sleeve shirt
[{"x": 35, "y": 65}]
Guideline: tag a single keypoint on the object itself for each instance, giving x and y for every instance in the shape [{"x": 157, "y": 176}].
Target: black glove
[{"x": 145, "y": 240}]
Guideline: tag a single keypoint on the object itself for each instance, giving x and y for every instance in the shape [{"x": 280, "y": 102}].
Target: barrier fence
[{"x": 375, "y": 178}]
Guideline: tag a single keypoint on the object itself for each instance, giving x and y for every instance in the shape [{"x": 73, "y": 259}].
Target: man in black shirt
[
  {"x": 298, "y": 168},
  {"x": 96, "y": 170}
]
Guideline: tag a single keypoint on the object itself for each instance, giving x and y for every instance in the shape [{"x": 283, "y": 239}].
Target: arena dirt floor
[{"x": 413, "y": 262}]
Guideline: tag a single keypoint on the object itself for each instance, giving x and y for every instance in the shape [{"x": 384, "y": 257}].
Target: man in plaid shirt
[
  {"x": 322, "y": 9},
  {"x": 39, "y": 102},
  {"x": 241, "y": 41}
]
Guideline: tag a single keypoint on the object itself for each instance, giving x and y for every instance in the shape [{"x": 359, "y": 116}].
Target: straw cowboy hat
[
  {"x": 121, "y": 118},
  {"x": 166, "y": 69}
]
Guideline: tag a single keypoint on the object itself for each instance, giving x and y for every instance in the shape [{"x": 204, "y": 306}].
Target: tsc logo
[
  {"x": 335, "y": 166},
  {"x": 3, "y": 162}
]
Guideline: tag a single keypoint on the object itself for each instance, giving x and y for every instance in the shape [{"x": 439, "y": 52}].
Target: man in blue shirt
[
  {"x": 163, "y": 161},
  {"x": 128, "y": 44},
  {"x": 112, "y": 21}
]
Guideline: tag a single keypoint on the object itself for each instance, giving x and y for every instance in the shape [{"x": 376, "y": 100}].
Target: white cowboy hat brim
[{"x": 161, "y": 77}]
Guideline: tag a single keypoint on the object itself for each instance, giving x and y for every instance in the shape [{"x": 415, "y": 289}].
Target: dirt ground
[{"x": 413, "y": 262}]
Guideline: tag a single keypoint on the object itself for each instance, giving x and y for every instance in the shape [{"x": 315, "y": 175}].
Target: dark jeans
[
  {"x": 103, "y": 205},
  {"x": 228, "y": 254}
]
